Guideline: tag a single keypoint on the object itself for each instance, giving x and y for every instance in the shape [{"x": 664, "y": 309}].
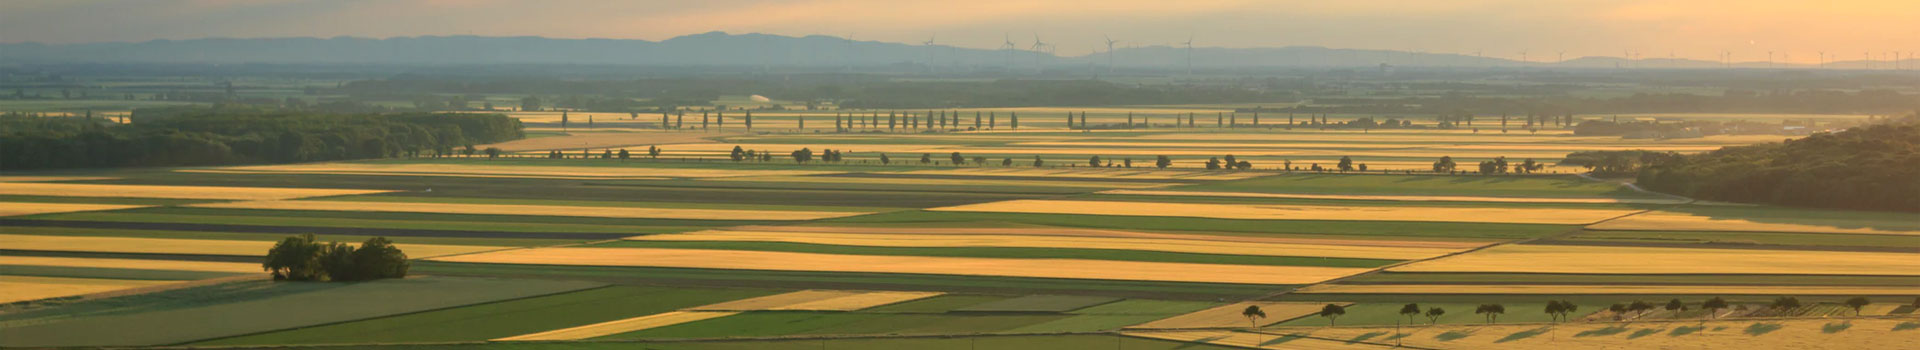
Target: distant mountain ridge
[{"x": 722, "y": 49}]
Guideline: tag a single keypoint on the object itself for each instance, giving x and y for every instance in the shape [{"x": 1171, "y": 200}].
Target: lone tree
[
  {"x": 1553, "y": 310},
  {"x": 1433, "y": 315},
  {"x": 1676, "y": 306},
  {"x": 1095, "y": 161},
  {"x": 1639, "y": 308},
  {"x": 803, "y": 155},
  {"x": 1006, "y": 161},
  {"x": 1713, "y": 306},
  {"x": 1785, "y": 303},
  {"x": 926, "y": 158},
  {"x": 1332, "y": 312},
  {"x": 1037, "y": 162},
  {"x": 1253, "y": 313},
  {"x": 738, "y": 154},
  {"x": 1346, "y": 164},
  {"x": 1491, "y": 311},
  {"x": 1856, "y": 303},
  {"x": 653, "y": 152},
  {"x": 624, "y": 154},
  {"x": 1162, "y": 162},
  {"x": 1445, "y": 165},
  {"x": 493, "y": 152},
  {"x": 884, "y": 160},
  {"x": 957, "y": 159},
  {"x": 1410, "y": 310},
  {"x": 1213, "y": 163}
]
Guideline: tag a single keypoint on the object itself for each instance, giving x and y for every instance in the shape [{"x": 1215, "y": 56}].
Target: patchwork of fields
[{"x": 677, "y": 252}]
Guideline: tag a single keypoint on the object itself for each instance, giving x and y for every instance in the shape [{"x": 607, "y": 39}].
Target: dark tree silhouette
[
  {"x": 1162, "y": 162},
  {"x": 1410, "y": 310},
  {"x": 738, "y": 154},
  {"x": 1491, "y": 311},
  {"x": 1253, "y": 313},
  {"x": 1332, "y": 312},
  {"x": 1346, "y": 164},
  {"x": 1433, "y": 315},
  {"x": 1713, "y": 306},
  {"x": 1676, "y": 306}
]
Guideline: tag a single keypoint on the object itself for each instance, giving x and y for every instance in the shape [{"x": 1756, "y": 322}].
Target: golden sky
[{"x": 1699, "y": 29}]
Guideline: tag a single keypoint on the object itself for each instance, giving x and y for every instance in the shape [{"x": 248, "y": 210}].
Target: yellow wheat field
[
  {"x": 943, "y": 182},
  {"x": 1676, "y": 221},
  {"x": 1101, "y": 233},
  {"x": 225, "y": 171},
  {"x": 1229, "y": 316},
  {"x": 19, "y": 208},
  {"x": 1225, "y": 145},
  {"x": 22, "y": 288},
  {"x": 621, "y": 326},
  {"x": 1294, "y": 212},
  {"x": 535, "y": 210},
  {"x": 1398, "y": 198},
  {"x": 190, "y": 246},
  {"x": 786, "y": 261},
  {"x": 1065, "y": 242},
  {"x": 173, "y": 192},
  {"x": 1797, "y": 334},
  {"x": 1604, "y": 289},
  {"x": 503, "y": 170},
  {"x": 144, "y": 264},
  {"x": 1257, "y": 340},
  {"x": 1649, "y": 260},
  {"x": 1091, "y": 173},
  {"x": 598, "y": 139},
  {"x": 818, "y": 300},
  {"x": 52, "y": 178}
]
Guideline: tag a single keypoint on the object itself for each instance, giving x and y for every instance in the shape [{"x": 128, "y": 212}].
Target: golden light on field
[
  {"x": 142, "y": 264},
  {"x": 1518, "y": 258},
  {"x": 1680, "y": 221},
  {"x": 536, "y": 210},
  {"x": 190, "y": 246},
  {"x": 785, "y": 261},
  {"x": 1801, "y": 334},
  {"x": 1608, "y": 289},
  {"x": 23, "y": 288},
  {"x": 622, "y": 326},
  {"x": 818, "y": 300},
  {"x": 1194, "y": 246},
  {"x": 1295, "y": 212},
  {"x": 18, "y": 208},
  {"x": 1396, "y": 197},
  {"x": 1229, "y": 316},
  {"x": 170, "y": 192},
  {"x": 510, "y": 171}
]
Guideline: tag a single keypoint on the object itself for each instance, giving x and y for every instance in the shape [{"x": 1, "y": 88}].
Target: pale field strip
[
  {"x": 20, "y": 208},
  {"x": 818, "y": 300},
  {"x": 621, "y": 326},
  {"x": 170, "y": 192},
  {"x": 1102, "y": 173},
  {"x": 192, "y": 246},
  {"x": 1255, "y": 340},
  {"x": 1797, "y": 334},
  {"x": 1038, "y": 268},
  {"x": 1228, "y": 316},
  {"x": 143, "y": 264},
  {"x": 535, "y": 210},
  {"x": 1881, "y": 309},
  {"x": 508, "y": 170},
  {"x": 943, "y": 182},
  {"x": 1602, "y": 289},
  {"x": 1654, "y": 260},
  {"x": 578, "y": 139},
  {"x": 1677, "y": 221},
  {"x": 1294, "y": 212},
  {"x": 23, "y": 288},
  {"x": 225, "y": 171},
  {"x": 1099, "y": 233},
  {"x": 1063, "y": 242},
  {"x": 1398, "y": 198},
  {"x": 52, "y": 178},
  {"x": 1225, "y": 145},
  {"x": 897, "y": 151},
  {"x": 1484, "y": 138}
]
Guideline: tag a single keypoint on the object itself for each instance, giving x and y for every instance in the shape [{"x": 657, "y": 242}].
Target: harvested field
[
  {"x": 1680, "y": 221},
  {"x": 1178, "y": 245},
  {"x": 818, "y": 300},
  {"x": 1648, "y": 260},
  {"x": 575, "y": 140},
  {"x": 17, "y": 208},
  {"x": 174, "y": 265},
  {"x": 1294, "y": 212},
  {"x": 1811, "y": 334},
  {"x": 1399, "y": 198},
  {"x": 1228, "y": 316},
  {"x": 1257, "y": 340},
  {"x": 535, "y": 210},
  {"x": 1608, "y": 289},
  {"x": 621, "y": 326},
  {"x": 1099, "y": 233},
  {"x": 783, "y": 261},
  {"x": 192, "y": 246},
  {"x": 943, "y": 182},
  {"x": 170, "y": 192},
  {"x": 23, "y": 288},
  {"x": 1091, "y": 173},
  {"x": 52, "y": 178},
  {"x": 605, "y": 172}
]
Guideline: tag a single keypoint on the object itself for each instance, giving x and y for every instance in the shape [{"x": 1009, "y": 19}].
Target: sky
[{"x": 1793, "y": 30}]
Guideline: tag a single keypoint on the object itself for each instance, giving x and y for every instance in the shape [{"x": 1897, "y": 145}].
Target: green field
[
  {"x": 1007, "y": 342},
  {"x": 845, "y": 280},
  {"x": 1427, "y": 185},
  {"x": 1843, "y": 241},
  {"x": 503, "y": 319},
  {"x": 1542, "y": 278},
  {"x": 1040, "y": 303},
  {"x": 1385, "y": 230},
  {"x": 1010, "y": 253}
]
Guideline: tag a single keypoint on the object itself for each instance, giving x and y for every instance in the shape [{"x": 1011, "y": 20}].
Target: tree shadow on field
[
  {"x": 1454, "y": 335},
  {"x": 1282, "y": 339},
  {"x": 1601, "y": 332},
  {"x": 1364, "y": 337},
  {"x": 1680, "y": 331},
  {"x": 1905, "y": 326},
  {"x": 1200, "y": 342},
  {"x": 1763, "y": 328},
  {"x": 1645, "y": 332},
  {"x": 1524, "y": 334},
  {"x": 1837, "y": 327}
]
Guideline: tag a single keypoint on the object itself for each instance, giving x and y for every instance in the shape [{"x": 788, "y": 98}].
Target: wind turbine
[
  {"x": 1189, "y": 44},
  {"x": 929, "y": 49},
  {"x": 1008, "y": 47},
  {"x": 1037, "y": 46},
  {"x": 1110, "y": 43}
]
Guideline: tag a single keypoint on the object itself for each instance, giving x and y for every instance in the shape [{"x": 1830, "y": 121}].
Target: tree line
[{"x": 176, "y": 136}]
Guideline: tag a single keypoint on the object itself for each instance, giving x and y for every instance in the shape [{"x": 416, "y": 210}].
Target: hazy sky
[{"x": 1699, "y": 29}]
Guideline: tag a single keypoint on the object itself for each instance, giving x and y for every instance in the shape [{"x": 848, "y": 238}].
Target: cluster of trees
[
  {"x": 1871, "y": 168},
  {"x": 1231, "y": 163},
  {"x": 238, "y": 135},
  {"x": 301, "y": 258}
]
